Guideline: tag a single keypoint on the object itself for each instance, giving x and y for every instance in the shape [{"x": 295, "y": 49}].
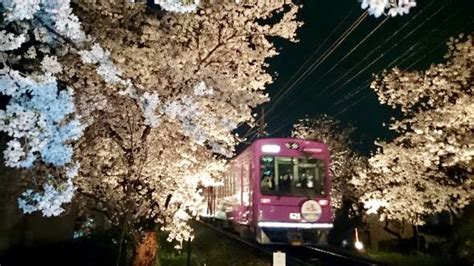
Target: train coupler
[{"x": 295, "y": 238}]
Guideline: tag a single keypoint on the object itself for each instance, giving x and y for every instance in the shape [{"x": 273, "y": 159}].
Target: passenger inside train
[{"x": 267, "y": 181}]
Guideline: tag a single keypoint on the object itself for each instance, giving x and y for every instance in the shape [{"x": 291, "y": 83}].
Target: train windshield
[{"x": 292, "y": 176}]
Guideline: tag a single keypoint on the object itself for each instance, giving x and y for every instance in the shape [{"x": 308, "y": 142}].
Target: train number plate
[{"x": 295, "y": 216}]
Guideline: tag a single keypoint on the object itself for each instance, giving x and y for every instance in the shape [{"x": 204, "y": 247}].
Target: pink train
[{"x": 277, "y": 191}]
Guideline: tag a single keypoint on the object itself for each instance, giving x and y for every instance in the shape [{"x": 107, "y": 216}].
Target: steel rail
[
  {"x": 344, "y": 255},
  {"x": 313, "y": 252},
  {"x": 251, "y": 243}
]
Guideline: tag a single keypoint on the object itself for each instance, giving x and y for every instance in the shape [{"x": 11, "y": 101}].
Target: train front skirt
[{"x": 293, "y": 235}]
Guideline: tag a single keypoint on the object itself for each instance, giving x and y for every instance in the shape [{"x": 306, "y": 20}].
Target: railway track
[
  {"x": 328, "y": 256},
  {"x": 303, "y": 255}
]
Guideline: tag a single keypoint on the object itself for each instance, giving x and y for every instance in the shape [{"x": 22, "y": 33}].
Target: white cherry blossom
[
  {"x": 428, "y": 168},
  {"x": 392, "y": 8}
]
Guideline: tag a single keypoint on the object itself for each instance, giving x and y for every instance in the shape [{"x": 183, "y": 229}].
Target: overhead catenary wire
[
  {"x": 402, "y": 58},
  {"x": 382, "y": 54},
  {"x": 408, "y": 67},
  {"x": 367, "y": 82},
  {"x": 364, "y": 85},
  {"x": 318, "y": 61},
  {"x": 353, "y": 49},
  {"x": 310, "y": 58},
  {"x": 315, "y": 64},
  {"x": 405, "y": 58},
  {"x": 422, "y": 57},
  {"x": 363, "y": 40},
  {"x": 367, "y": 68},
  {"x": 408, "y": 22},
  {"x": 338, "y": 41},
  {"x": 280, "y": 128}
]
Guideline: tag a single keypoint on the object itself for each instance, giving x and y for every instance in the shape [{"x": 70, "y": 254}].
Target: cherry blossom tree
[
  {"x": 427, "y": 169},
  {"x": 130, "y": 106},
  {"x": 392, "y": 8},
  {"x": 127, "y": 105},
  {"x": 40, "y": 117},
  {"x": 374, "y": 7},
  {"x": 345, "y": 162}
]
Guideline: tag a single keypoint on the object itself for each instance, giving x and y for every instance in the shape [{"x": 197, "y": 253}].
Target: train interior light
[{"x": 270, "y": 148}]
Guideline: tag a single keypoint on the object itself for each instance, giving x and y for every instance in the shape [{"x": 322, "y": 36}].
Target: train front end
[{"x": 292, "y": 203}]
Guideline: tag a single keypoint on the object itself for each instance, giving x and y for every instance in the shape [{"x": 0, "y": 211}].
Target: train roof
[{"x": 280, "y": 141}]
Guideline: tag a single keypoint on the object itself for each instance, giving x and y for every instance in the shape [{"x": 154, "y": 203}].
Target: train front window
[{"x": 292, "y": 176}]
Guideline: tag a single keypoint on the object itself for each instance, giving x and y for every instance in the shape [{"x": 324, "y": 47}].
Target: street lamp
[{"x": 358, "y": 245}]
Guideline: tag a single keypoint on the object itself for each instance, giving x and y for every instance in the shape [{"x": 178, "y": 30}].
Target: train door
[
  {"x": 246, "y": 207},
  {"x": 247, "y": 192},
  {"x": 237, "y": 193}
]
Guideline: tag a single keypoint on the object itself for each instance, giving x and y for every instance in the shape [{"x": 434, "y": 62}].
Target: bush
[
  {"x": 414, "y": 259},
  {"x": 462, "y": 239}
]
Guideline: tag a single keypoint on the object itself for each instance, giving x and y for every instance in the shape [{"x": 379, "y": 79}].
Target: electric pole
[{"x": 261, "y": 127}]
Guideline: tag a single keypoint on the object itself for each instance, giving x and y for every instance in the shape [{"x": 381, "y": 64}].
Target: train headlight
[
  {"x": 323, "y": 202},
  {"x": 270, "y": 148},
  {"x": 313, "y": 150}
]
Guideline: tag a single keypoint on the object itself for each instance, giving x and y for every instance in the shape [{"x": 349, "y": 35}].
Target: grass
[
  {"x": 168, "y": 259},
  {"x": 210, "y": 248},
  {"x": 415, "y": 259}
]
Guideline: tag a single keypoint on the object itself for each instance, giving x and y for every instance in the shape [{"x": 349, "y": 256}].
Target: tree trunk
[
  {"x": 146, "y": 251},
  {"x": 417, "y": 238}
]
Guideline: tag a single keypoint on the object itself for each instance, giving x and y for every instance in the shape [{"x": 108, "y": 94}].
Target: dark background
[{"x": 339, "y": 86}]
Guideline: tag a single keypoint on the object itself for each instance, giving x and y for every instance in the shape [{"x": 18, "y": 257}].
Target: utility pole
[
  {"x": 189, "y": 252},
  {"x": 261, "y": 127}
]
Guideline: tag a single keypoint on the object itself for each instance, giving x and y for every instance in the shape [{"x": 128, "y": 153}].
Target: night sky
[{"x": 338, "y": 84}]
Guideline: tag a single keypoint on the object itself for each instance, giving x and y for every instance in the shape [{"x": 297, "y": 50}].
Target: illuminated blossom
[
  {"x": 179, "y": 6},
  {"x": 143, "y": 103},
  {"x": 10, "y": 41},
  {"x": 37, "y": 120},
  {"x": 20, "y": 9},
  {"x": 50, "y": 201},
  {"x": 393, "y": 7},
  {"x": 428, "y": 168},
  {"x": 106, "y": 69},
  {"x": 51, "y": 65}
]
